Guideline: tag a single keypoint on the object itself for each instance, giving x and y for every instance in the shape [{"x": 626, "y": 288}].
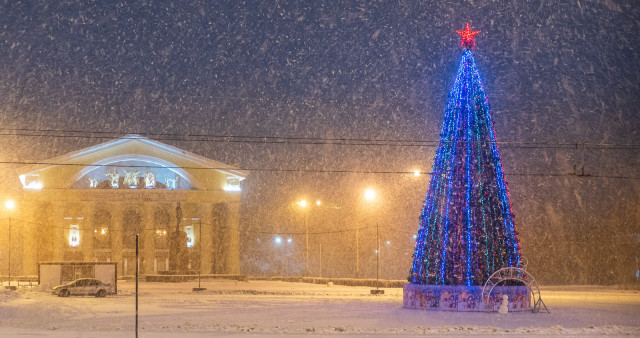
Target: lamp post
[
  {"x": 357, "y": 256},
  {"x": 303, "y": 204},
  {"x": 307, "y": 209},
  {"x": 370, "y": 195},
  {"x": 9, "y": 205},
  {"x": 306, "y": 230},
  {"x": 378, "y": 259}
]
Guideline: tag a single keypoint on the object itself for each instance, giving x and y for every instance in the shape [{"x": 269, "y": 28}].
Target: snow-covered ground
[{"x": 273, "y": 308}]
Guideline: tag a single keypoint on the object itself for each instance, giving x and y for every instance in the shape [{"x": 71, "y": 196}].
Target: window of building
[
  {"x": 161, "y": 235},
  {"x": 102, "y": 230}
]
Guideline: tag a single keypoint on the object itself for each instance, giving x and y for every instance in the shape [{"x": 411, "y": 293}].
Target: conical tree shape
[{"x": 467, "y": 229}]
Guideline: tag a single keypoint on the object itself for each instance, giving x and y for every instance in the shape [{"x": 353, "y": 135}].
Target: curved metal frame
[{"x": 518, "y": 274}]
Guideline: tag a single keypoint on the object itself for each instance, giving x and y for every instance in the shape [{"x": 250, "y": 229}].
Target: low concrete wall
[
  {"x": 383, "y": 283},
  {"x": 163, "y": 278}
]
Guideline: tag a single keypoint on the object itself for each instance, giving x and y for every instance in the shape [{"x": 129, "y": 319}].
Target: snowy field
[{"x": 273, "y": 308}]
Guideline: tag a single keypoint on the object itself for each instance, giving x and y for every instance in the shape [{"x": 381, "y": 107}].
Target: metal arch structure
[{"x": 515, "y": 274}]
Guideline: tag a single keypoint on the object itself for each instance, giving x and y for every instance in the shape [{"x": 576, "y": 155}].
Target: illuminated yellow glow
[
  {"x": 10, "y": 204},
  {"x": 369, "y": 194},
  {"x": 416, "y": 172},
  {"x": 302, "y": 203},
  {"x": 189, "y": 231},
  {"x": 318, "y": 202},
  {"x": 74, "y": 235},
  {"x": 35, "y": 185},
  {"x": 230, "y": 187},
  {"x": 30, "y": 182}
]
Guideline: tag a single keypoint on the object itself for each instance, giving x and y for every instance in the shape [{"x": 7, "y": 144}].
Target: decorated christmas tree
[{"x": 467, "y": 228}]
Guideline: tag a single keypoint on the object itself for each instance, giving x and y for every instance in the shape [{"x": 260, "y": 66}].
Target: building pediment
[{"x": 132, "y": 162}]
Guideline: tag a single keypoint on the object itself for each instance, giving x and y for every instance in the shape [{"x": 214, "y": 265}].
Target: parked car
[{"x": 83, "y": 286}]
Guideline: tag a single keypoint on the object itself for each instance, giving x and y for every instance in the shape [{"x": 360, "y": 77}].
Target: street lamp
[
  {"x": 303, "y": 204},
  {"x": 370, "y": 195},
  {"x": 9, "y": 204}
]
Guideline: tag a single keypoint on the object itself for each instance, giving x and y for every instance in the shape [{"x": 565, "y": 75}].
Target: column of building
[
  {"x": 58, "y": 231},
  {"x": 206, "y": 237},
  {"x": 233, "y": 228},
  {"x": 29, "y": 264},
  {"x": 116, "y": 234},
  {"x": 148, "y": 226},
  {"x": 87, "y": 232}
]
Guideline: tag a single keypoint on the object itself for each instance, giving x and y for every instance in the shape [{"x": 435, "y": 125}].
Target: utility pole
[
  {"x": 306, "y": 225},
  {"x": 377, "y": 291},
  {"x": 357, "y": 256},
  {"x": 137, "y": 260},
  {"x": 320, "y": 259},
  {"x": 9, "y": 205},
  {"x": 9, "y": 252},
  {"x": 377, "y": 257},
  {"x": 199, "y": 251}
]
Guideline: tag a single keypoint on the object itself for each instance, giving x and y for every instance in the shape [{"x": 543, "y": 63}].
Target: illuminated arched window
[
  {"x": 161, "y": 231},
  {"x": 102, "y": 230}
]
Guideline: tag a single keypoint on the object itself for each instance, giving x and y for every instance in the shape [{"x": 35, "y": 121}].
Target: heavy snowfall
[{"x": 319, "y": 101}]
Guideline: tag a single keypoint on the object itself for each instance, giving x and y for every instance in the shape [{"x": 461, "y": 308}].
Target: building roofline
[{"x": 76, "y": 156}]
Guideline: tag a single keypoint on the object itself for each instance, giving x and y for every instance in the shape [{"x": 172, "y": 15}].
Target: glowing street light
[
  {"x": 304, "y": 204},
  {"x": 9, "y": 205},
  {"x": 370, "y": 194},
  {"x": 416, "y": 172}
]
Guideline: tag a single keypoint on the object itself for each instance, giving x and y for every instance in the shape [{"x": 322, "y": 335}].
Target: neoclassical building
[{"x": 89, "y": 204}]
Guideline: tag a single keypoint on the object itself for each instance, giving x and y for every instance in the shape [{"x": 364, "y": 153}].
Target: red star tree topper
[{"x": 467, "y": 37}]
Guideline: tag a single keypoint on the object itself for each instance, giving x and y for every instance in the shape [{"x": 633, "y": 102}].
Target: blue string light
[{"x": 467, "y": 228}]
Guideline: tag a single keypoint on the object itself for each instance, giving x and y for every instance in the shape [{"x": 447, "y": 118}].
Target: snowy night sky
[{"x": 556, "y": 73}]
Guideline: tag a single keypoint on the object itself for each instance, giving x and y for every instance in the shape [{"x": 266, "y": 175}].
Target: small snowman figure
[{"x": 504, "y": 307}]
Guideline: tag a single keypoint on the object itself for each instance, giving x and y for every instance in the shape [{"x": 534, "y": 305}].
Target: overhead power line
[
  {"x": 306, "y": 170},
  {"x": 262, "y": 139},
  {"x": 243, "y": 230},
  {"x": 247, "y": 231}
]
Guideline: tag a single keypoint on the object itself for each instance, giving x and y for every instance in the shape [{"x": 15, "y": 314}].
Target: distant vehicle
[{"x": 83, "y": 286}]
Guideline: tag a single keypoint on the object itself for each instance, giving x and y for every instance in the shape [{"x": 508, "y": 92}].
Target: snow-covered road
[{"x": 272, "y": 308}]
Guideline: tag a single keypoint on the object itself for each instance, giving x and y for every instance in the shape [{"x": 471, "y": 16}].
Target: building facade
[{"x": 89, "y": 205}]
